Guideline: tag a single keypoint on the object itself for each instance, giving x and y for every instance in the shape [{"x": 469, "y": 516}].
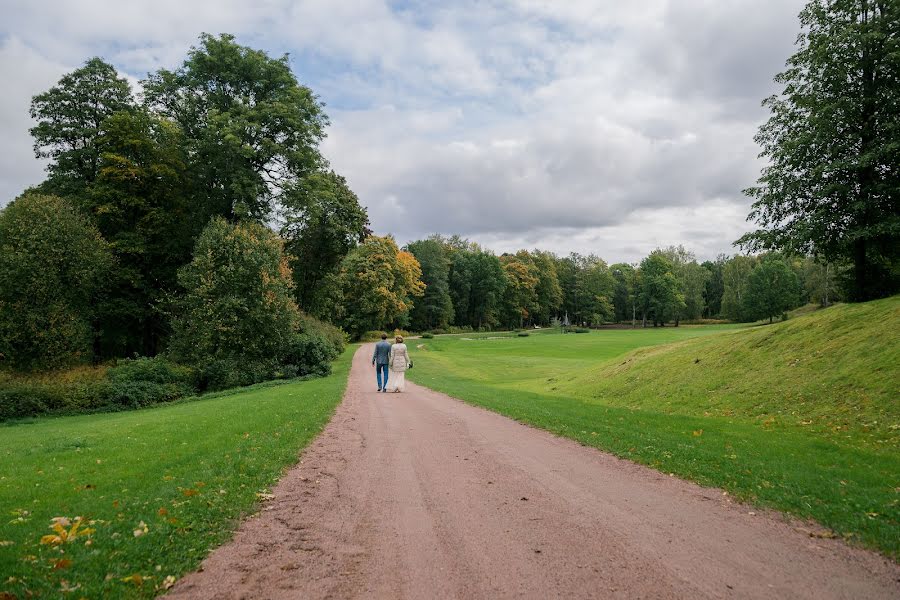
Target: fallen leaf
[
  {"x": 62, "y": 563},
  {"x": 190, "y": 492},
  {"x": 698, "y": 433},
  {"x": 168, "y": 582},
  {"x": 141, "y": 530},
  {"x": 136, "y": 579},
  {"x": 162, "y": 512}
]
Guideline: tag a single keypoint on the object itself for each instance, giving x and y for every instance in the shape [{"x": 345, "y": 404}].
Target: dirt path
[{"x": 417, "y": 495}]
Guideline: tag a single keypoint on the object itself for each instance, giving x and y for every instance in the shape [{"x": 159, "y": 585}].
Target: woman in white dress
[{"x": 399, "y": 363}]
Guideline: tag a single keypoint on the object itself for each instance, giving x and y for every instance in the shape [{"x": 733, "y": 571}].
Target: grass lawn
[
  {"x": 801, "y": 416},
  {"x": 160, "y": 487}
]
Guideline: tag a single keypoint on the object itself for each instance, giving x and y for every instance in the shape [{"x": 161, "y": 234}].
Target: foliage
[
  {"x": 522, "y": 334},
  {"x": 323, "y": 221},
  {"x": 252, "y": 129},
  {"x": 520, "y": 296},
  {"x": 477, "y": 283},
  {"x": 435, "y": 309},
  {"x": 427, "y": 336},
  {"x": 772, "y": 289},
  {"x": 798, "y": 416},
  {"x": 52, "y": 265},
  {"x": 378, "y": 282},
  {"x": 188, "y": 471},
  {"x": 715, "y": 286},
  {"x": 237, "y": 311},
  {"x": 625, "y": 295},
  {"x": 69, "y": 117},
  {"x": 141, "y": 204},
  {"x": 660, "y": 295},
  {"x": 736, "y": 276},
  {"x": 833, "y": 145}
]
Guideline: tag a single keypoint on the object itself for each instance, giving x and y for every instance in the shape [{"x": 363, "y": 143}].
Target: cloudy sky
[{"x": 585, "y": 125}]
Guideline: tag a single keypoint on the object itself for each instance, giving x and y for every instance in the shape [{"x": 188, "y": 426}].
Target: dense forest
[{"x": 192, "y": 236}]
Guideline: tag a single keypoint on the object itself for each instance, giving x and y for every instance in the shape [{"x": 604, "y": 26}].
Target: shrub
[
  {"x": 522, "y": 334},
  {"x": 427, "y": 336},
  {"x": 228, "y": 373}
]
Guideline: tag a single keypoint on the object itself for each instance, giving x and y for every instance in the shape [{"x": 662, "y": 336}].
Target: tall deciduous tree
[
  {"x": 435, "y": 309},
  {"x": 69, "y": 116},
  {"x": 772, "y": 289},
  {"x": 832, "y": 187},
  {"x": 520, "y": 295},
  {"x": 715, "y": 286},
  {"x": 141, "y": 203},
  {"x": 735, "y": 277},
  {"x": 323, "y": 221},
  {"x": 477, "y": 283},
  {"x": 549, "y": 291},
  {"x": 53, "y": 262},
  {"x": 253, "y": 130},
  {"x": 660, "y": 294},
  {"x": 378, "y": 282}
]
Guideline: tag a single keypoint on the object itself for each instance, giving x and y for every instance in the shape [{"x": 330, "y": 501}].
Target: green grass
[
  {"x": 802, "y": 416},
  {"x": 188, "y": 471}
]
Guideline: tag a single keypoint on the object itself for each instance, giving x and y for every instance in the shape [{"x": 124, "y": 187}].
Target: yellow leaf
[
  {"x": 62, "y": 563},
  {"x": 698, "y": 433}
]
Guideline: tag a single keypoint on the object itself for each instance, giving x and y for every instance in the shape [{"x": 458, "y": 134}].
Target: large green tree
[
  {"x": 477, "y": 283},
  {"x": 69, "y": 117},
  {"x": 735, "y": 278},
  {"x": 660, "y": 295},
  {"x": 53, "y": 263},
  {"x": 772, "y": 289},
  {"x": 832, "y": 186},
  {"x": 323, "y": 221},
  {"x": 141, "y": 202},
  {"x": 253, "y": 131},
  {"x": 435, "y": 309},
  {"x": 715, "y": 286},
  {"x": 520, "y": 298},
  {"x": 238, "y": 307}
]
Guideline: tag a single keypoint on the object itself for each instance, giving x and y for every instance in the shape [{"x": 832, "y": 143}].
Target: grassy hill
[
  {"x": 834, "y": 371},
  {"x": 802, "y": 416}
]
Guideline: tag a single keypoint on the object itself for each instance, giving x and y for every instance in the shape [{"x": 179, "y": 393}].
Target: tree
[
  {"x": 53, "y": 262},
  {"x": 435, "y": 309},
  {"x": 140, "y": 201},
  {"x": 520, "y": 295},
  {"x": 660, "y": 295},
  {"x": 238, "y": 307},
  {"x": 624, "y": 297},
  {"x": 820, "y": 281},
  {"x": 548, "y": 290},
  {"x": 715, "y": 286},
  {"x": 693, "y": 284},
  {"x": 596, "y": 292},
  {"x": 253, "y": 130},
  {"x": 832, "y": 187},
  {"x": 772, "y": 289},
  {"x": 323, "y": 221},
  {"x": 735, "y": 276},
  {"x": 69, "y": 117},
  {"x": 378, "y": 282},
  {"x": 477, "y": 283}
]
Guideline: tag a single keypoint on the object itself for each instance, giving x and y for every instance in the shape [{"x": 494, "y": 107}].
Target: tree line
[{"x": 198, "y": 220}]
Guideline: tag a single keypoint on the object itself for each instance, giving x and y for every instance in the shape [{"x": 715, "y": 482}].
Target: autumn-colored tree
[
  {"x": 520, "y": 297},
  {"x": 52, "y": 263},
  {"x": 378, "y": 283}
]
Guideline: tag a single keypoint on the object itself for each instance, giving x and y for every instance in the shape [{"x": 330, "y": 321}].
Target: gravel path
[{"x": 417, "y": 495}]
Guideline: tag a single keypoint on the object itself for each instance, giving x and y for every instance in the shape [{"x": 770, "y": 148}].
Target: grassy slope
[
  {"x": 188, "y": 471},
  {"x": 802, "y": 416}
]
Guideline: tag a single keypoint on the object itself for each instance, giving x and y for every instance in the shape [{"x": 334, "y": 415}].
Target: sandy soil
[{"x": 417, "y": 495}]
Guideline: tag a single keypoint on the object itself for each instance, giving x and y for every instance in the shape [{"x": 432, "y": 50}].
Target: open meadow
[
  {"x": 155, "y": 489},
  {"x": 801, "y": 416}
]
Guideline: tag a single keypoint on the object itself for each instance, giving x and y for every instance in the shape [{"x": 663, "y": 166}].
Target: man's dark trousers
[{"x": 380, "y": 358}]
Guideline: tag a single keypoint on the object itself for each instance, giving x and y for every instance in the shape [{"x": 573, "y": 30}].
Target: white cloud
[{"x": 584, "y": 125}]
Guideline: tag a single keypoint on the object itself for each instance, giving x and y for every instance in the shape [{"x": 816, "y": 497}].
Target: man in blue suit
[{"x": 381, "y": 358}]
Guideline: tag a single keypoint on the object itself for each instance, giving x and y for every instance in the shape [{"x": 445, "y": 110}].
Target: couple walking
[{"x": 394, "y": 359}]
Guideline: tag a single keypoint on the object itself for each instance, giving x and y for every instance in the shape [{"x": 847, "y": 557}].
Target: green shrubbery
[
  {"x": 522, "y": 334},
  {"x": 427, "y": 336}
]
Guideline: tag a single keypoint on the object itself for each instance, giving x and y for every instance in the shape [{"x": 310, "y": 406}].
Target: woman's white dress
[{"x": 399, "y": 362}]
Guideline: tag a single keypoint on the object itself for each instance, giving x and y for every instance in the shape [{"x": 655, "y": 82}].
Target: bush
[
  {"x": 311, "y": 354},
  {"x": 427, "y": 336},
  {"x": 522, "y": 334},
  {"x": 228, "y": 373},
  {"x": 578, "y": 330}
]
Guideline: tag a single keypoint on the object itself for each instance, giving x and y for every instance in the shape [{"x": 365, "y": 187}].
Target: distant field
[
  {"x": 802, "y": 416},
  {"x": 160, "y": 486}
]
